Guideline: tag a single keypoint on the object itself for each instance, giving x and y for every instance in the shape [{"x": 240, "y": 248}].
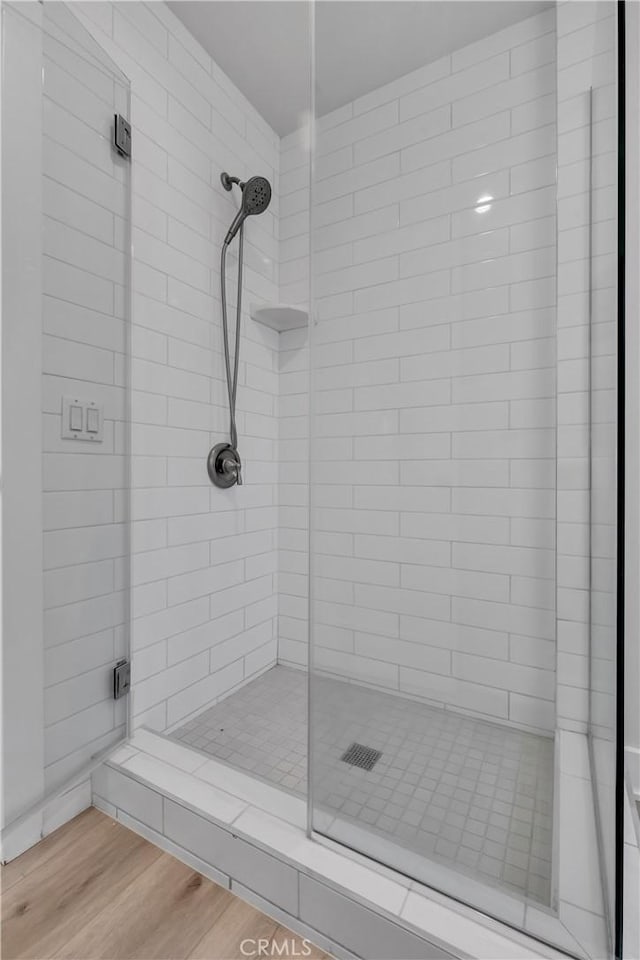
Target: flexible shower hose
[{"x": 232, "y": 381}]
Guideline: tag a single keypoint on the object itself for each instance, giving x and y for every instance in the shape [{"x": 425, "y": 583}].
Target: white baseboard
[{"x": 26, "y": 833}]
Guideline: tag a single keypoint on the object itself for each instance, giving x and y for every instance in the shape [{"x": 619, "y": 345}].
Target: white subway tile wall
[
  {"x": 433, "y": 384},
  {"x": 204, "y": 600},
  {"x": 85, "y": 200},
  {"x": 293, "y": 404}
]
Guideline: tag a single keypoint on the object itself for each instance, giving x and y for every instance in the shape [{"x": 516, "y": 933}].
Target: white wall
[
  {"x": 434, "y": 387},
  {"x": 204, "y": 563},
  {"x": 22, "y": 653}
]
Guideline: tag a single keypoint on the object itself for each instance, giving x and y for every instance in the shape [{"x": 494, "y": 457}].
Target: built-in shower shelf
[{"x": 279, "y": 316}]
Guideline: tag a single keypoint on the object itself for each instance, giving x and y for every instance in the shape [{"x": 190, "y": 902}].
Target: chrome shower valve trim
[{"x": 224, "y": 466}]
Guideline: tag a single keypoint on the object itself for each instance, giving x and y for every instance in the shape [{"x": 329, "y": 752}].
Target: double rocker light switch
[{"x": 81, "y": 419}]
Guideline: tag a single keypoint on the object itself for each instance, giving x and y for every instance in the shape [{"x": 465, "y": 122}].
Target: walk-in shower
[
  {"x": 397, "y": 638},
  {"x": 224, "y": 465},
  {"x": 452, "y": 226}
]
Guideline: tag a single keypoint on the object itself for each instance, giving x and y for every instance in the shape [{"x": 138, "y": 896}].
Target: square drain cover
[{"x": 360, "y": 756}]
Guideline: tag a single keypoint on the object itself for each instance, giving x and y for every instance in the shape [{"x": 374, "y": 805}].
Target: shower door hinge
[
  {"x": 121, "y": 679},
  {"x": 122, "y": 136}
]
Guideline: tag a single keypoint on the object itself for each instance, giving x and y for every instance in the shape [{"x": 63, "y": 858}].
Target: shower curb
[{"x": 260, "y": 856}]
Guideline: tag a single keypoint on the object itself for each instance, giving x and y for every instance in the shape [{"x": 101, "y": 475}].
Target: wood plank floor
[{"x": 95, "y": 889}]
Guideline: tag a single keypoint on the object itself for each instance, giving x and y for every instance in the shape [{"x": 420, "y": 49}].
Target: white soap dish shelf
[{"x": 279, "y": 316}]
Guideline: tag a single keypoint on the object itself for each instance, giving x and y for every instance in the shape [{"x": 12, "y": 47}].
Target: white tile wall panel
[
  {"x": 456, "y": 307},
  {"x": 405, "y": 135},
  {"x": 455, "y": 473},
  {"x": 204, "y": 582},
  {"x": 404, "y": 550},
  {"x": 532, "y": 53},
  {"x": 83, "y": 170},
  {"x": 356, "y": 227},
  {"x": 83, "y": 618},
  {"x": 456, "y": 693},
  {"x": 76, "y": 657},
  {"x": 457, "y": 143},
  {"x": 68, "y": 698},
  {"x": 78, "y": 582},
  {"x": 454, "y": 417},
  {"x": 513, "y": 677},
  {"x": 509, "y": 618},
  {"x": 357, "y": 128},
  {"x": 84, "y": 545},
  {"x": 67, "y": 737},
  {"x": 455, "y": 363},
  {"x": 401, "y": 187},
  {"x": 509, "y": 93},
  {"x": 446, "y": 91},
  {"x": 76, "y": 509},
  {"x": 483, "y": 246}
]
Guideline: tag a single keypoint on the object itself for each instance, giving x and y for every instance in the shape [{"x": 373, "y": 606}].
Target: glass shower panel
[
  {"x": 443, "y": 512},
  {"x": 82, "y": 232},
  {"x": 433, "y": 467},
  {"x": 587, "y": 440}
]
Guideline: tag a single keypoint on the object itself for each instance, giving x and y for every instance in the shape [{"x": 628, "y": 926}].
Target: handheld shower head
[
  {"x": 224, "y": 464},
  {"x": 256, "y": 196}
]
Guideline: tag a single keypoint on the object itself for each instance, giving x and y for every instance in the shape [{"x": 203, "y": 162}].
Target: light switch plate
[{"x": 82, "y": 420}]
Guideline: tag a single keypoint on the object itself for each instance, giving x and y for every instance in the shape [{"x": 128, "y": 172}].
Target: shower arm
[{"x": 228, "y": 181}]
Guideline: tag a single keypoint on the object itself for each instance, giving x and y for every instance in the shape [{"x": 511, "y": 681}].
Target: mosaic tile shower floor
[{"x": 472, "y": 794}]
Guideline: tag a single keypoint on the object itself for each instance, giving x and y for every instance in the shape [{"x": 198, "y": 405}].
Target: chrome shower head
[{"x": 256, "y": 196}]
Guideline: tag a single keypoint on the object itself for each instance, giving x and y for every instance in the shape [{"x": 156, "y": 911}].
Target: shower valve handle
[
  {"x": 232, "y": 467},
  {"x": 224, "y": 466}
]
